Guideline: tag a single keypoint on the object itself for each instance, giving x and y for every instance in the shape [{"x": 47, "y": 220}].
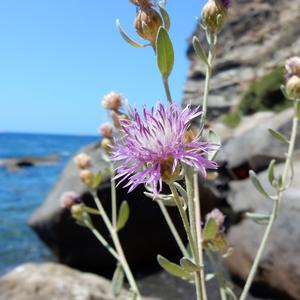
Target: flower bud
[
  {"x": 68, "y": 199},
  {"x": 87, "y": 177},
  {"x": 77, "y": 211},
  {"x": 214, "y": 14},
  {"x": 83, "y": 160},
  {"x": 106, "y": 130},
  {"x": 112, "y": 101},
  {"x": 292, "y": 66},
  {"x": 293, "y": 87},
  {"x": 142, "y": 3},
  {"x": 147, "y": 23},
  {"x": 106, "y": 145},
  {"x": 218, "y": 216}
]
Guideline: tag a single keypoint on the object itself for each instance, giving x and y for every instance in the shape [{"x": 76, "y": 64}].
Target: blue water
[{"x": 22, "y": 191}]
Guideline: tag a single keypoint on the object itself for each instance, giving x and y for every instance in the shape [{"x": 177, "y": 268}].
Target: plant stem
[
  {"x": 199, "y": 233},
  {"x": 117, "y": 244},
  {"x": 275, "y": 208},
  {"x": 199, "y": 276},
  {"x": 113, "y": 197},
  {"x": 102, "y": 240},
  {"x": 219, "y": 275},
  {"x": 167, "y": 89},
  {"x": 173, "y": 229},
  {"x": 211, "y": 57}
]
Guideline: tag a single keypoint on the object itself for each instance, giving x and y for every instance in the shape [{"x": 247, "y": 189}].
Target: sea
[{"x": 22, "y": 190}]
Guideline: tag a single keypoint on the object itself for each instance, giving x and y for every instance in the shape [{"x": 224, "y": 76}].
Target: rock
[
  {"x": 280, "y": 266},
  {"x": 30, "y": 161},
  {"x": 251, "y": 143},
  {"x": 146, "y": 234},
  {"x": 51, "y": 281},
  {"x": 258, "y": 36}
]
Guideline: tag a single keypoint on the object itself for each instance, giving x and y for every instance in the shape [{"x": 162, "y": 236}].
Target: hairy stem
[
  {"x": 173, "y": 229},
  {"x": 117, "y": 244},
  {"x": 198, "y": 223},
  {"x": 113, "y": 197},
  {"x": 167, "y": 89},
  {"x": 275, "y": 208}
]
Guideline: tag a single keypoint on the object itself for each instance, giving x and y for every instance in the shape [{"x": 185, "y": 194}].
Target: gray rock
[
  {"x": 258, "y": 36},
  {"x": 280, "y": 265},
  {"x": 29, "y": 161},
  {"x": 252, "y": 144},
  {"x": 50, "y": 281}
]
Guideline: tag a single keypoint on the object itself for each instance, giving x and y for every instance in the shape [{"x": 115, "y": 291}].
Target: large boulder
[
  {"x": 146, "y": 234},
  {"x": 50, "y": 281},
  {"x": 251, "y": 45},
  {"x": 280, "y": 266}
]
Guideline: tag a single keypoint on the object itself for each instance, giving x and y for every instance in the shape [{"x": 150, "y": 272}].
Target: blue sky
[{"x": 59, "y": 57}]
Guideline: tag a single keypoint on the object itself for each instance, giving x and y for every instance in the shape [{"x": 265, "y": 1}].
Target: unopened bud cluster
[
  {"x": 293, "y": 77},
  {"x": 214, "y": 14}
]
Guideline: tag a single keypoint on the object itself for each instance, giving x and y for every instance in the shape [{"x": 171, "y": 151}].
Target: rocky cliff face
[{"x": 258, "y": 36}]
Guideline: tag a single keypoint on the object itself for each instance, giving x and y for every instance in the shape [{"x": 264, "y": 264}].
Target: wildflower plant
[{"x": 160, "y": 148}]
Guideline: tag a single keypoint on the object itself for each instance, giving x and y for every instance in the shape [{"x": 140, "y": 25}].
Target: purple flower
[{"x": 158, "y": 143}]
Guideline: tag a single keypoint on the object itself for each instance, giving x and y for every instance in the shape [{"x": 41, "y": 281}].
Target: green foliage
[
  {"x": 265, "y": 94},
  {"x": 164, "y": 53},
  {"x": 123, "y": 215},
  {"x": 232, "y": 119}
]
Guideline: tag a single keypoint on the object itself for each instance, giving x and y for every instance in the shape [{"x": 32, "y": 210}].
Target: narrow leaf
[
  {"x": 257, "y": 183},
  {"x": 117, "y": 280},
  {"x": 271, "y": 171},
  {"x": 97, "y": 180},
  {"x": 283, "y": 90},
  {"x": 126, "y": 37},
  {"x": 209, "y": 276},
  {"x": 210, "y": 230},
  {"x": 258, "y": 218},
  {"x": 173, "y": 269},
  {"x": 298, "y": 110},
  {"x": 188, "y": 265},
  {"x": 279, "y": 136},
  {"x": 165, "y": 16},
  {"x": 213, "y": 138},
  {"x": 199, "y": 50},
  {"x": 123, "y": 215},
  {"x": 164, "y": 53}
]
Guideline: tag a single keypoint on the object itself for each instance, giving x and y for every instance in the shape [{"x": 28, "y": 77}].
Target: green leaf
[
  {"x": 199, "y": 50},
  {"x": 173, "y": 269},
  {"x": 279, "y": 136},
  {"x": 117, "y": 280},
  {"x": 283, "y": 90},
  {"x": 164, "y": 53},
  {"x": 165, "y": 16},
  {"x": 271, "y": 172},
  {"x": 298, "y": 110},
  {"x": 123, "y": 215},
  {"x": 258, "y": 218},
  {"x": 210, "y": 230},
  {"x": 257, "y": 183},
  {"x": 188, "y": 265},
  {"x": 213, "y": 138},
  {"x": 126, "y": 37},
  {"x": 97, "y": 180}
]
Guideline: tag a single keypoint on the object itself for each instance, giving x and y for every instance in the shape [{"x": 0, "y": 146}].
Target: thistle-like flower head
[{"x": 155, "y": 145}]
